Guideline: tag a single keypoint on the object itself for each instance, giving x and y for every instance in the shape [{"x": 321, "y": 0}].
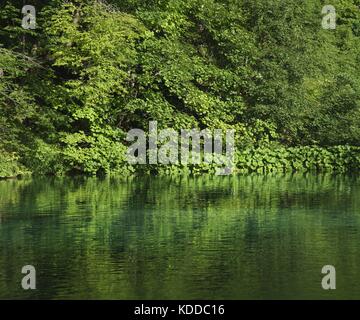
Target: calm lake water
[{"x": 247, "y": 237}]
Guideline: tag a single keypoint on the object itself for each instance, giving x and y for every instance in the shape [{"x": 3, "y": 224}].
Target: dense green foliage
[
  {"x": 315, "y": 159},
  {"x": 89, "y": 72}
]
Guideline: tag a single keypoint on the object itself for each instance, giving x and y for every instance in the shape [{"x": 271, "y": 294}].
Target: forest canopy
[{"x": 71, "y": 88}]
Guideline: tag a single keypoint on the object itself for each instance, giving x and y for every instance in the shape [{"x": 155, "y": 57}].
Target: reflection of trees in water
[{"x": 159, "y": 237}]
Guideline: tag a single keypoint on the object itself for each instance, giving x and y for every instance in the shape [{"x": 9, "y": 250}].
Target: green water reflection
[{"x": 262, "y": 237}]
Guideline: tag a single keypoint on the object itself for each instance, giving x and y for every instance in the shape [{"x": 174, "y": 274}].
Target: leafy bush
[
  {"x": 262, "y": 160},
  {"x": 9, "y": 165}
]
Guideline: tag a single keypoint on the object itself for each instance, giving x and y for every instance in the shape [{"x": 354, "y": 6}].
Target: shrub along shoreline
[
  {"x": 337, "y": 159},
  {"x": 10, "y": 167},
  {"x": 316, "y": 159}
]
